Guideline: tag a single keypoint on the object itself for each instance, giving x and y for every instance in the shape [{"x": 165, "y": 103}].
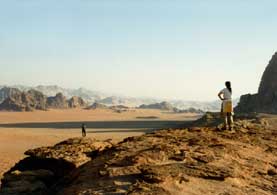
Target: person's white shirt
[{"x": 226, "y": 94}]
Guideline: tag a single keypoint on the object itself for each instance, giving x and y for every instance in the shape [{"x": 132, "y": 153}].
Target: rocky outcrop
[
  {"x": 199, "y": 158},
  {"x": 24, "y": 101},
  {"x": 76, "y": 102},
  {"x": 6, "y": 92},
  {"x": 266, "y": 99},
  {"x": 160, "y": 106},
  {"x": 189, "y": 110},
  {"x": 15, "y": 100},
  {"x": 58, "y": 101},
  {"x": 97, "y": 106},
  {"x": 46, "y": 166}
]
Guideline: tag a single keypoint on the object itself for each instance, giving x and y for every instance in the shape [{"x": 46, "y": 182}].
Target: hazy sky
[{"x": 178, "y": 49}]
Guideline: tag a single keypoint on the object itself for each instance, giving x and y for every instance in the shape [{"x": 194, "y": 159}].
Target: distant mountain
[
  {"x": 76, "y": 102},
  {"x": 189, "y": 110},
  {"x": 24, "y": 101},
  {"x": 57, "y": 101},
  {"x": 6, "y": 92},
  {"x": 90, "y": 97},
  {"x": 160, "y": 106},
  {"x": 52, "y": 90},
  {"x": 97, "y": 106},
  {"x": 126, "y": 101},
  {"x": 17, "y": 100}
]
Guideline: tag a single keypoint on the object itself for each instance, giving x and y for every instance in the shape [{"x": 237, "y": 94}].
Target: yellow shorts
[{"x": 227, "y": 106}]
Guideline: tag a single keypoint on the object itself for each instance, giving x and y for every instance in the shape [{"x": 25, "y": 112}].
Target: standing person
[
  {"x": 227, "y": 108},
  {"x": 84, "y": 133}
]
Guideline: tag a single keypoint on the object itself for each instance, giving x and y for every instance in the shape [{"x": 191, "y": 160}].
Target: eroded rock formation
[
  {"x": 58, "y": 101},
  {"x": 6, "y": 92},
  {"x": 76, "y": 102},
  {"x": 24, "y": 101},
  {"x": 45, "y": 167},
  {"x": 266, "y": 99}
]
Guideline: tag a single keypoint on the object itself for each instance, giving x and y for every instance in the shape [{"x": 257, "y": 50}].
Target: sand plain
[{"x": 20, "y": 131}]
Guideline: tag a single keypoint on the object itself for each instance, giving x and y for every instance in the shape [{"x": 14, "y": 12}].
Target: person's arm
[{"x": 220, "y": 95}]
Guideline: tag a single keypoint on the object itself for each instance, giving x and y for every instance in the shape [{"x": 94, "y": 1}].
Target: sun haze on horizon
[{"x": 163, "y": 49}]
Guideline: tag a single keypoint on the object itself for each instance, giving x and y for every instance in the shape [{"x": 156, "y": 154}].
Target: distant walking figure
[
  {"x": 227, "y": 108},
  {"x": 84, "y": 133}
]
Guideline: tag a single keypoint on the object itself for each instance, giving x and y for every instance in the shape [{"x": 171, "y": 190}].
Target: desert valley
[
  {"x": 125, "y": 97},
  {"x": 149, "y": 149}
]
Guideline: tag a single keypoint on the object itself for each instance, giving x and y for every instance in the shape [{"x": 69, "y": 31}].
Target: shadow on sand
[{"x": 135, "y": 125}]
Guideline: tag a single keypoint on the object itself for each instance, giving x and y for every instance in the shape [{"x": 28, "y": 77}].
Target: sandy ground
[{"x": 20, "y": 131}]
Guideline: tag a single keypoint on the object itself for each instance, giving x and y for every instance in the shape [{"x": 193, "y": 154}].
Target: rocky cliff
[
  {"x": 6, "y": 92},
  {"x": 58, "y": 101},
  {"x": 76, "y": 102},
  {"x": 266, "y": 99},
  {"x": 24, "y": 101},
  {"x": 199, "y": 159}
]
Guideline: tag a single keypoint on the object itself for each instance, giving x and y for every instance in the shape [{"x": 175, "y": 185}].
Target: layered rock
[
  {"x": 76, "y": 102},
  {"x": 24, "y": 101},
  {"x": 266, "y": 99},
  {"x": 46, "y": 166},
  {"x": 58, "y": 101}
]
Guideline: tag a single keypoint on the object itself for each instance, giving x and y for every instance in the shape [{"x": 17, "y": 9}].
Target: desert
[
  {"x": 20, "y": 131},
  {"x": 138, "y": 97}
]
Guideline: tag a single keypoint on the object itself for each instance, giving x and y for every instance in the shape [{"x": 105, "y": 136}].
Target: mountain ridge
[{"x": 91, "y": 97}]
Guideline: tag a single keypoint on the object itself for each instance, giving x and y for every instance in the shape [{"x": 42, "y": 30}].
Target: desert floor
[{"x": 20, "y": 131}]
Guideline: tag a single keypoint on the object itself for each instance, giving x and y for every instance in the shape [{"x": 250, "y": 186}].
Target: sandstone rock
[
  {"x": 6, "y": 92},
  {"x": 46, "y": 166},
  {"x": 58, "y": 101},
  {"x": 24, "y": 101},
  {"x": 76, "y": 102},
  {"x": 266, "y": 99},
  {"x": 73, "y": 150}
]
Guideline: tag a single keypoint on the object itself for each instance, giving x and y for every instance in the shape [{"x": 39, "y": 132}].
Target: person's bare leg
[
  {"x": 230, "y": 120},
  {"x": 225, "y": 121}
]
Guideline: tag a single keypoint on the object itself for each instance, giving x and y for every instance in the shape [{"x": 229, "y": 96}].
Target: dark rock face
[
  {"x": 76, "y": 102},
  {"x": 268, "y": 83},
  {"x": 24, "y": 101},
  {"x": 266, "y": 99},
  {"x": 58, "y": 101}
]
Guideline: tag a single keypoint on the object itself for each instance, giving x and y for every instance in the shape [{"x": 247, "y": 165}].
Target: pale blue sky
[{"x": 174, "y": 49}]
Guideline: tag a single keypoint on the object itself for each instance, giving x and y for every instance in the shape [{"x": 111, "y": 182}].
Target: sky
[{"x": 174, "y": 49}]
